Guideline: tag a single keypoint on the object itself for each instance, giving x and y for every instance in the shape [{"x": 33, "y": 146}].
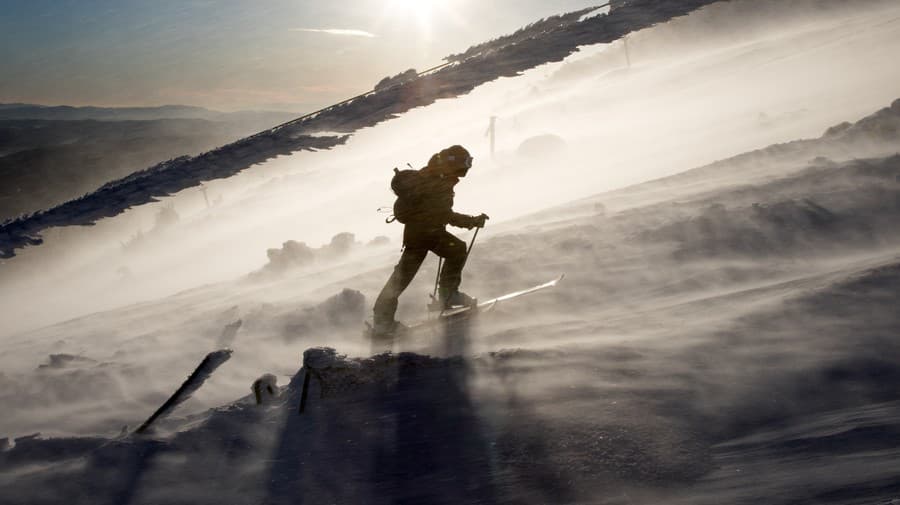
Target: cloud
[{"x": 335, "y": 31}]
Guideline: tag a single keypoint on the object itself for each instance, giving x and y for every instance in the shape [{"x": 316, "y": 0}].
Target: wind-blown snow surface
[
  {"x": 704, "y": 87},
  {"x": 724, "y": 335}
]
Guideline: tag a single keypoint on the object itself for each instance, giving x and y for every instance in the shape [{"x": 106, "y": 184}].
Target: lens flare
[{"x": 421, "y": 12}]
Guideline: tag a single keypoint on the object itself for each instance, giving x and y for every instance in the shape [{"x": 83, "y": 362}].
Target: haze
[
  {"x": 233, "y": 55},
  {"x": 725, "y": 333}
]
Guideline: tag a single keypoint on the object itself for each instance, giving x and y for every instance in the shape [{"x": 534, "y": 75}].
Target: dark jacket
[{"x": 434, "y": 208}]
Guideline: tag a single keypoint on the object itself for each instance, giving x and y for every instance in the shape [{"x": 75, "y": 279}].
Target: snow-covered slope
[
  {"x": 788, "y": 398},
  {"x": 697, "y": 344},
  {"x": 548, "y": 41},
  {"x": 701, "y": 88},
  {"x": 723, "y": 335}
]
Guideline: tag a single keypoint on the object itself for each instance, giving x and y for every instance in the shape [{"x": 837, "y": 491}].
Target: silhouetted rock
[
  {"x": 400, "y": 78},
  {"x": 294, "y": 255},
  {"x": 65, "y": 360},
  {"x": 345, "y": 310},
  {"x": 542, "y": 147},
  {"x": 226, "y": 338},
  {"x": 265, "y": 389},
  {"x": 838, "y": 129},
  {"x": 379, "y": 241}
]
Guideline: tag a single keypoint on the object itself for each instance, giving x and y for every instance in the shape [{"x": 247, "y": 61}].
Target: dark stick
[
  {"x": 437, "y": 277},
  {"x": 304, "y": 392},
  {"x": 471, "y": 245},
  {"x": 192, "y": 384}
]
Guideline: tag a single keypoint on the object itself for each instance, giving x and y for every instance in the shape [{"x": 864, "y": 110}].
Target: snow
[
  {"x": 598, "y": 12},
  {"x": 726, "y": 331}
]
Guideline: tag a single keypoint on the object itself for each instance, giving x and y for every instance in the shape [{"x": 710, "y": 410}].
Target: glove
[{"x": 478, "y": 221}]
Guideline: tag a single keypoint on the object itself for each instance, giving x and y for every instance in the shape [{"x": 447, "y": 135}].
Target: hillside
[
  {"x": 51, "y": 155},
  {"x": 528, "y": 51},
  {"x": 723, "y": 204},
  {"x": 743, "y": 326}
]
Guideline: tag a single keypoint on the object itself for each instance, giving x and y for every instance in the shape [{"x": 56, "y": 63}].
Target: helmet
[{"x": 454, "y": 161}]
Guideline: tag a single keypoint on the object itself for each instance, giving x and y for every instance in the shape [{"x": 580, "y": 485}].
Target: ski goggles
[{"x": 464, "y": 162}]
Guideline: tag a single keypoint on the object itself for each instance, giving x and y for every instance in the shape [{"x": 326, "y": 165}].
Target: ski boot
[
  {"x": 454, "y": 300},
  {"x": 386, "y": 331},
  {"x": 459, "y": 299}
]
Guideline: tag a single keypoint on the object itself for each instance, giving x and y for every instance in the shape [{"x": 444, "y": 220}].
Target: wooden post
[
  {"x": 205, "y": 197},
  {"x": 627, "y": 54},
  {"x": 492, "y": 133}
]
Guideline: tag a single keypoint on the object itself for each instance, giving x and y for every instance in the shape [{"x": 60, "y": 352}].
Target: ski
[{"x": 457, "y": 313}]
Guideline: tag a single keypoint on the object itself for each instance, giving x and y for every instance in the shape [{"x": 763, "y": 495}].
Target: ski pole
[
  {"x": 471, "y": 245},
  {"x": 437, "y": 277},
  {"x": 441, "y": 262}
]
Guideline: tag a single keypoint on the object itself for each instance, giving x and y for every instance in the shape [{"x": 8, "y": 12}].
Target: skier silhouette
[{"x": 425, "y": 206}]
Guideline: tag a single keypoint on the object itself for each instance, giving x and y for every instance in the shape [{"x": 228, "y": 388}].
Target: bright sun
[
  {"x": 420, "y": 10},
  {"x": 417, "y": 8}
]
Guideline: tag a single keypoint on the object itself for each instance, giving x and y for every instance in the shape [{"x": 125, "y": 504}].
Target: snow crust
[{"x": 726, "y": 332}]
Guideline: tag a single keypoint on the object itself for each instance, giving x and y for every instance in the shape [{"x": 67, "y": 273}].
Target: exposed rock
[
  {"x": 64, "y": 361},
  {"x": 265, "y": 389}
]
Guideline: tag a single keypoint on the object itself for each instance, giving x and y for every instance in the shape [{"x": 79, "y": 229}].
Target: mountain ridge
[
  {"x": 22, "y": 111},
  {"x": 453, "y": 80}
]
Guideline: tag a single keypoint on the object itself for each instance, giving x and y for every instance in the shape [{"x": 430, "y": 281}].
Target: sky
[{"x": 295, "y": 55}]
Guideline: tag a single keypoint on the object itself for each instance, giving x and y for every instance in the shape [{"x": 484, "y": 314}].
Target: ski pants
[{"x": 416, "y": 247}]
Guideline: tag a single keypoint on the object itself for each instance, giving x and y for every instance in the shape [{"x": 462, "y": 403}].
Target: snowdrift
[{"x": 723, "y": 335}]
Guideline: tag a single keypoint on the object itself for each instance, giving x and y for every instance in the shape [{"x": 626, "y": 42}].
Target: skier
[{"x": 425, "y": 206}]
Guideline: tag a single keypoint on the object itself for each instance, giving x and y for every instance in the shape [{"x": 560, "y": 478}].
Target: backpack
[{"x": 406, "y": 184}]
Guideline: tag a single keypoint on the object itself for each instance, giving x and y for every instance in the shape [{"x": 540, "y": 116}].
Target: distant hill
[
  {"x": 44, "y": 163},
  {"x": 69, "y": 113},
  {"x": 52, "y": 154}
]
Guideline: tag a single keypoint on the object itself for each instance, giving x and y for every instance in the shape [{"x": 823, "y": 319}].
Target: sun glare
[
  {"x": 422, "y": 11},
  {"x": 417, "y": 8}
]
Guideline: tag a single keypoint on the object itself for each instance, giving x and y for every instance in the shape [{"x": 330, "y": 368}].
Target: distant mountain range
[
  {"x": 53, "y": 154},
  {"x": 541, "y": 43},
  {"x": 69, "y": 113}
]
